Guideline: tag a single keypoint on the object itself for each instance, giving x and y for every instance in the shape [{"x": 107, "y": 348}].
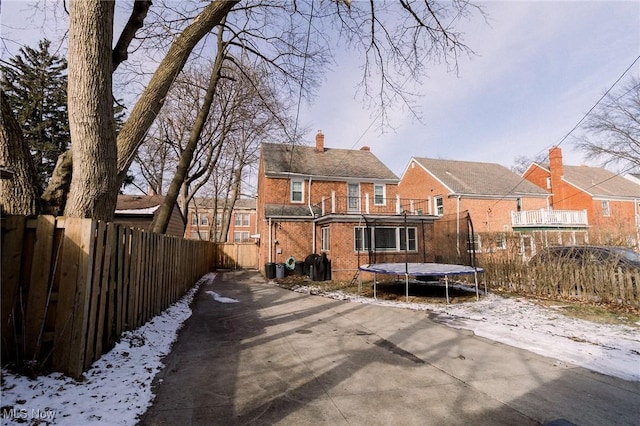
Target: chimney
[
  {"x": 320, "y": 141},
  {"x": 555, "y": 161},
  {"x": 365, "y": 148},
  {"x": 557, "y": 171}
]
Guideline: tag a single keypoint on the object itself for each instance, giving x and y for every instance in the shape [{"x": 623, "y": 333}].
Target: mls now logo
[{"x": 26, "y": 414}]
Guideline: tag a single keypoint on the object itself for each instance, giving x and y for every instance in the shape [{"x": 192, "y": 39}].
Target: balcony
[
  {"x": 549, "y": 218},
  {"x": 369, "y": 205}
]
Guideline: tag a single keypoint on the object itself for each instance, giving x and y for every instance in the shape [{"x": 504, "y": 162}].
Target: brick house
[
  {"x": 494, "y": 196},
  {"x": 340, "y": 202},
  {"x": 140, "y": 211},
  {"x": 206, "y": 218},
  {"x": 610, "y": 202}
]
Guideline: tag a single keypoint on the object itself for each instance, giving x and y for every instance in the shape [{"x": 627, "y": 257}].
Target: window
[
  {"x": 353, "y": 197},
  {"x": 200, "y": 219},
  {"x": 474, "y": 243},
  {"x": 297, "y": 194},
  {"x": 605, "y": 208},
  {"x": 379, "y": 195},
  {"x": 240, "y": 236},
  {"x": 519, "y": 204},
  {"x": 549, "y": 183},
  {"x": 439, "y": 203},
  {"x": 385, "y": 238},
  {"x": 242, "y": 219},
  {"x": 362, "y": 238},
  {"x": 219, "y": 220},
  {"x": 325, "y": 236},
  {"x": 501, "y": 241},
  {"x": 201, "y": 235},
  {"x": 410, "y": 236}
]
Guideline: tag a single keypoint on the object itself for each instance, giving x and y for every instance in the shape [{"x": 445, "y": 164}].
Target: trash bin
[
  {"x": 270, "y": 270},
  {"x": 299, "y": 269},
  {"x": 280, "y": 267}
]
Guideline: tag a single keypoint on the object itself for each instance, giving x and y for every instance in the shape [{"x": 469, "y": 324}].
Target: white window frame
[
  {"x": 356, "y": 206},
  {"x": 203, "y": 219},
  {"x": 325, "y": 238},
  {"x": 301, "y": 191},
  {"x": 240, "y": 236},
  {"x": 241, "y": 220},
  {"x": 364, "y": 237},
  {"x": 438, "y": 205},
  {"x": 606, "y": 208},
  {"x": 200, "y": 235},
  {"x": 477, "y": 243},
  {"x": 383, "y": 195}
]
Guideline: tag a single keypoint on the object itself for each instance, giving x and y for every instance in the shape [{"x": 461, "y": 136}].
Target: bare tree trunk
[
  {"x": 94, "y": 184},
  {"x": 152, "y": 99},
  {"x": 135, "y": 22},
  {"x": 55, "y": 196},
  {"x": 20, "y": 190},
  {"x": 164, "y": 214},
  {"x": 233, "y": 193},
  {"x": 149, "y": 104}
]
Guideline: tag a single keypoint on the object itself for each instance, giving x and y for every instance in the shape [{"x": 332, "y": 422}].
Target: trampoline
[{"x": 444, "y": 270}]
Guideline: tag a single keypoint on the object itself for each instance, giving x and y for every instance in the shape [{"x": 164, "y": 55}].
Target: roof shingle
[
  {"x": 332, "y": 163},
  {"x": 481, "y": 179}
]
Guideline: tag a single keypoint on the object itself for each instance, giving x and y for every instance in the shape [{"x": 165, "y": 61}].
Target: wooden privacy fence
[
  {"x": 590, "y": 283},
  {"x": 236, "y": 255},
  {"x": 70, "y": 287}
]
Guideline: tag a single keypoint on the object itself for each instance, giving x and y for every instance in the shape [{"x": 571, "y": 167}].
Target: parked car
[{"x": 602, "y": 255}]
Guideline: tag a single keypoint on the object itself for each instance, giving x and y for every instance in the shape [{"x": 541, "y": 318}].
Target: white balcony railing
[
  {"x": 549, "y": 217},
  {"x": 368, "y": 204}
]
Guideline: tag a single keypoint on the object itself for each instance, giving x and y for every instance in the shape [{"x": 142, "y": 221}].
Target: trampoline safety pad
[{"x": 421, "y": 270}]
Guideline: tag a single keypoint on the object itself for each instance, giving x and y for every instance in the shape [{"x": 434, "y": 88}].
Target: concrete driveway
[{"x": 280, "y": 357}]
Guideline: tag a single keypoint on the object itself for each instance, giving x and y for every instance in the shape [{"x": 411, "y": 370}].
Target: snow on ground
[
  {"x": 221, "y": 299},
  {"x": 117, "y": 388},
  {"x": 613, "y": 350}
]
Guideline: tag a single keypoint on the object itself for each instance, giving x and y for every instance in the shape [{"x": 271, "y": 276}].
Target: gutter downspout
[
  {"x": 270, "y": 243},
  {"x": 458, "y": 226},
  {"x": 313, "y": 224}
]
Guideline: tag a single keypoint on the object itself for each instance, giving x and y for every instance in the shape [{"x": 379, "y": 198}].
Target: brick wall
[
  {"x": 488, "y": 215},
  {"x": 621, "y": 218}
]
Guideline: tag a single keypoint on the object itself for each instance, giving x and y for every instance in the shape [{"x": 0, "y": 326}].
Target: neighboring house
[
  {"x": 207, "y": 216},
  {"x": 140, "y": 211},
  {"x": 494, "y": 196},
  {"x": 340, "y": 202},
  {"x": 633, "y": 177},
  {"x": 610, "y": 201}
]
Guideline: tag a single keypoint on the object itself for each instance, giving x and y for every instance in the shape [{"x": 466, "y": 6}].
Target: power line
[
  {"x": 564, "y": 138},
  {"x": 598, "y": 102},
  {"x": 302, "y": 79}
]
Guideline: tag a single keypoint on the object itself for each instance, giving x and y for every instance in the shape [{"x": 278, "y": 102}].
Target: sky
[
  {"x": 117, "y": 387},
  {"x": 538, "y": 68}
]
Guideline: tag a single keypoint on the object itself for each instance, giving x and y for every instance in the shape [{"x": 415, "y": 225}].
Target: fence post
[
  {"x": 71, "y": 321},
  {"x": 12, "y": 239},
  {"x": 39, "y": 286}
]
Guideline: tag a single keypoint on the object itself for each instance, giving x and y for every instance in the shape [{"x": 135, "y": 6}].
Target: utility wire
[
  {"x": 584, "y": 117},
  {"x": 302, "y": 79}
]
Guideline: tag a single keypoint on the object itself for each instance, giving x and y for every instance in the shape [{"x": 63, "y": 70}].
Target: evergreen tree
[{"x": 35, "y": 85}]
